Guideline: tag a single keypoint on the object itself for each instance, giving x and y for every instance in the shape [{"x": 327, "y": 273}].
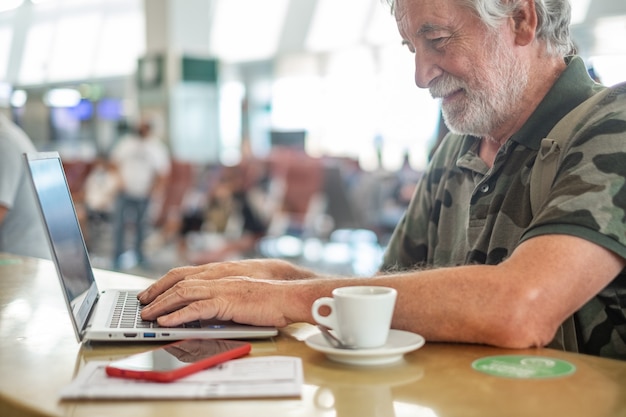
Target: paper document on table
[{"x": 255, "y": 377}]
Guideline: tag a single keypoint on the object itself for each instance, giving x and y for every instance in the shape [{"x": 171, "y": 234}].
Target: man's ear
[{"x": 525, "y": 23}]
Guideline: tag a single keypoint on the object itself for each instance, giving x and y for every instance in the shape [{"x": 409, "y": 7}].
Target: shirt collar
[{"x": 571, "y": 88}]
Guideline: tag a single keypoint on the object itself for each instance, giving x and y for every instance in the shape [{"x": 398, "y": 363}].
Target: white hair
[{"x": 553, "y": 19}]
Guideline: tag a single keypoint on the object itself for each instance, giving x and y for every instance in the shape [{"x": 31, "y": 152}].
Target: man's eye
[{"x": 438, "y": 41}]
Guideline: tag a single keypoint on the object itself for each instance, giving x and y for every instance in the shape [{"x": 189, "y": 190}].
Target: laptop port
[
  {"x": 130, "y": 334},
  {"x": 149, "y": 335}
]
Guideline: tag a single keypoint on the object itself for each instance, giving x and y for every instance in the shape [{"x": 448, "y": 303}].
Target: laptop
[{"x": 96, "y": 314}]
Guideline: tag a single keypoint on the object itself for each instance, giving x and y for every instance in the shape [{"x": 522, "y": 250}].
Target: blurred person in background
[
  {"x": 143, "y": 163},
  {"x": 21, "y": 228},
  {"x": 233, "y": 217},
  {"x": 96, "y": 202}
]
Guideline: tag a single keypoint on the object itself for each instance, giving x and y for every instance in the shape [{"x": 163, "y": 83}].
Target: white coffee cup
[{"x": 360, "y": 316}]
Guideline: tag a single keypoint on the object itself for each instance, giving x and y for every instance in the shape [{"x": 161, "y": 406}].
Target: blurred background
[{"x": 293, "y": 126}]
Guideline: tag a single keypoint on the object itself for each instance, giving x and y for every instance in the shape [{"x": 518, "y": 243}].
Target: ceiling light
[
  {"x": 18, "y": 98},
  {"x": 330, "y": 29},
  {"x": 580, "y": 8},
  {"x": 62, "y": 97},
  {"x": 247, "y": 30},
  {"x": 6, "y": 5}
]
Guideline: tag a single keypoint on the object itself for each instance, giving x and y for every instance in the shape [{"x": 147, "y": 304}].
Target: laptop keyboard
[{"x": 127, "y": 314}]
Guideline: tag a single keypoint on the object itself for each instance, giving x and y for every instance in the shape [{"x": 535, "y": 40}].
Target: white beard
[{"x": 496, "y": 90}]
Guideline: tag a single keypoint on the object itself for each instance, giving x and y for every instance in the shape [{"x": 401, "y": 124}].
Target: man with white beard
[{"x": 470, "y": 260}]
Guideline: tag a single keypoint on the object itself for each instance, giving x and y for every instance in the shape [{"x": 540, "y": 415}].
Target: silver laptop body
[{"x": 93, "y": 312}]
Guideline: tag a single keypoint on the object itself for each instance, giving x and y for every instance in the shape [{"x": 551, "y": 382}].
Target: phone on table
[{"x": 178, "y": 359}]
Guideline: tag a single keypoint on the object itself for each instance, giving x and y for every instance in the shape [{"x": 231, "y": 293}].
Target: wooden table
[{"x": 39, "y": 355}]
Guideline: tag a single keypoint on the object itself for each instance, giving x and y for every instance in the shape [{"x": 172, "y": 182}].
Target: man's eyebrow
[{"x": 430, "y": 27}]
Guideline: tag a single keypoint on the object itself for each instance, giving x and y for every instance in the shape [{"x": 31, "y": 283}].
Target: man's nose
[{"x": 426, "y": 68}]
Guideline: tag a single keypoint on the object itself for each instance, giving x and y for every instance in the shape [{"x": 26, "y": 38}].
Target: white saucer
[{"x": 398, "y": 343}]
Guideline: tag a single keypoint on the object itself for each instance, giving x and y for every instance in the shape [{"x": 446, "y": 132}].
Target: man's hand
[
  {"x": 244, "y": 291},
  {"x": 240, "y": 299},
  {"x": 266, "y": 269}
]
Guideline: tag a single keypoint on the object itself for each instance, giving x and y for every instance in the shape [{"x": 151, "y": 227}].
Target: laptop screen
[{"x": 65, "y": 237}]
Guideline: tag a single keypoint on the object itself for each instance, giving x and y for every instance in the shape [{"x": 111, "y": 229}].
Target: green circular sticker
[{"x": 523, "y": 367}]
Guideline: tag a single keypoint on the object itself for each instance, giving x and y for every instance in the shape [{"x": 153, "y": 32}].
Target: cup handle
[{"x": 329, "y": 320}]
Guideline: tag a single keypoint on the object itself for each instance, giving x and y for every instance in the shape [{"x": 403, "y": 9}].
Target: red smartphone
[{"x": 177, "y": 359}]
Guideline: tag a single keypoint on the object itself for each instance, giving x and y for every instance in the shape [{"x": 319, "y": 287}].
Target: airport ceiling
[{"x": 31, "y": 33}]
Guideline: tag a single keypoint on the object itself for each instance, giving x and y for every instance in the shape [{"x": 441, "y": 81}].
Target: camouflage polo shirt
[{"x": 465, "y": 213}]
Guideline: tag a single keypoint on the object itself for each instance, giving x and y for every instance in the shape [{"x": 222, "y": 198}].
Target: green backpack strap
[{"x": 550, "y": 154}]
